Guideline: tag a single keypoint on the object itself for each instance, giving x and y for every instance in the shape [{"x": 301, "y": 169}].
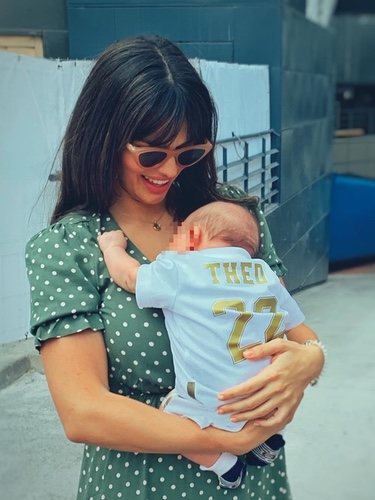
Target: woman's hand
[{"x": 272, "y": 396}]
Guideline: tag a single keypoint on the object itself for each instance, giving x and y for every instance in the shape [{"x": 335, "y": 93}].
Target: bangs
[{"x": 161, "y": 121}]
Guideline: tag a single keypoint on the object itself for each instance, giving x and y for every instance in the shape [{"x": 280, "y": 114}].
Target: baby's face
[{"x": 181, "y": 241}]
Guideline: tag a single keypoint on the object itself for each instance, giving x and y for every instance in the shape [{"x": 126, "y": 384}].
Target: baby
[{"x": 218, "y": 301}]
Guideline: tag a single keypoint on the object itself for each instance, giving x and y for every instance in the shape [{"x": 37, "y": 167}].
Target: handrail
[{"x": 261, "y": 166}]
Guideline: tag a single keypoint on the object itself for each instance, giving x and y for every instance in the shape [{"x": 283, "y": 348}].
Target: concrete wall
[
  {"x": 307, "y": 99},
  {"x": 354, "y": 56}
]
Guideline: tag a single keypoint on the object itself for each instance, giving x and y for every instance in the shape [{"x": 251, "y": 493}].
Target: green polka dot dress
[{"x": 70, "y": 292}]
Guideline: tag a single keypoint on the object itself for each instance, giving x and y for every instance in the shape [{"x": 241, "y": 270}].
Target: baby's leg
[{"x": 229, "y": 468}]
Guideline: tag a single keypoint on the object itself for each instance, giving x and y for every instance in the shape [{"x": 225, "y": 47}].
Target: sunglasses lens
[
  {"x": 190, "y": 157},
  {"x": 151, "y": 158}
]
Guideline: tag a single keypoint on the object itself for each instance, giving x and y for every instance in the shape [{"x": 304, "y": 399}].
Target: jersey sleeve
[
  {"x": 62, "y": 266},
  {"x": 157, "y": 283},
  {"x": 267, "y": 250}
]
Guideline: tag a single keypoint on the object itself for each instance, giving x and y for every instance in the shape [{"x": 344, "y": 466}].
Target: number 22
[{"x": 263, "y": 304}]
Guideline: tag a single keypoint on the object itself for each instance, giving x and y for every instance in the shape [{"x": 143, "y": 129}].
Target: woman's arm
[{"x": 76, "y": 370}]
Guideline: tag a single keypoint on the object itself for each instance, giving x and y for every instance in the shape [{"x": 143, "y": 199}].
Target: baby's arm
[{"x": 122, "y": 268}]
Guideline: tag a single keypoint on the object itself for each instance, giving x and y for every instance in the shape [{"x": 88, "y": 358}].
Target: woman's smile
[{"x": 157, "y": 185}]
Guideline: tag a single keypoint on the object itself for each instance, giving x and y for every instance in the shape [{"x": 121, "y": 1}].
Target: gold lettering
[
  {"x": 260, "y": 276},
  {"x": 245, "y": 266},
  {"x": 234, "y": 341},
  {"x": 267, "y": 305},
  {"x": 213, "y": 269},
  {"x": 191, "y": 389},
  {"x": 231, "y": 274}
]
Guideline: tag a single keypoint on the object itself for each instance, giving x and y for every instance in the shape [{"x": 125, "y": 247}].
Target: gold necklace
[{"x": 156, "y": 226}]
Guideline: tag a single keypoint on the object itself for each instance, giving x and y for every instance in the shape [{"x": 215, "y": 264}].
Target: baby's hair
[{"x": 228, "y": 222}]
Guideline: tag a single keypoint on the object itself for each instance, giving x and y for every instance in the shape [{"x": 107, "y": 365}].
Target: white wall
[{"x": 36, "y": 99}]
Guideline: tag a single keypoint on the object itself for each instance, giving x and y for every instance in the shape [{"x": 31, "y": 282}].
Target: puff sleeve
[{"x": 63, "y": 270}]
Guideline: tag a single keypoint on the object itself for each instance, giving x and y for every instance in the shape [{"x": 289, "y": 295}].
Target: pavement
[{"x": 329, "y": 443}]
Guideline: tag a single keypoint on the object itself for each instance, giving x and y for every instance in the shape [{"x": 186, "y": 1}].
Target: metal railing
[{"x": 249, "y": 163}]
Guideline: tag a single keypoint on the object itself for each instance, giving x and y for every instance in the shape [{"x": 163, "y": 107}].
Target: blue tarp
[{"x": 352, "y": 219}]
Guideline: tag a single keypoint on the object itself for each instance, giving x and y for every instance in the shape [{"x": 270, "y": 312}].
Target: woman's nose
[{"x": 169, "y": 168}]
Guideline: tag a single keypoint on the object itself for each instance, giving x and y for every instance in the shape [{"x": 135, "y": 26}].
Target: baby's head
[{"x": 218, "y": 224}]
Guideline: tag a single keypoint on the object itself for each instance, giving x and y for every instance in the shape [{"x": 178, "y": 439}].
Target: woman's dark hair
[
  {"x": 142, "y": 87},
  {"x": 139, "y": 88}
]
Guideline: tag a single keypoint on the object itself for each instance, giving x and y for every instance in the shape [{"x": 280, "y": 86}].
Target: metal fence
[{"x": 251, "y": 163}]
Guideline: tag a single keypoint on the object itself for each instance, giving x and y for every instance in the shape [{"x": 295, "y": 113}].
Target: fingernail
[
  {"x": 234, "y": 419},
  {"x": 249, "y": 354},
  {"x": 220, "y": 396}
]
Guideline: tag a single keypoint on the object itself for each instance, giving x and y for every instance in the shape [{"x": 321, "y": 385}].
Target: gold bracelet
[{"x": 322, "y": 347}]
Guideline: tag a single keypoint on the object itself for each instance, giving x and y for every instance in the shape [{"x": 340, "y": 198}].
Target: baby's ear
[{"x": 195, "y": 237}]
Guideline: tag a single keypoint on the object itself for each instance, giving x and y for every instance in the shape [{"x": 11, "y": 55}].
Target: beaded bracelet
[{"x": 322, "y": 347}]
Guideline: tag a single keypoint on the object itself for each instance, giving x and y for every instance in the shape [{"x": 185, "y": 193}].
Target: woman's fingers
[
  {"x": 266, "y": 408},
  {"x": 267, "y": 404},
  {"x": 281, "y": 416},
  {"x": 249, "y": 387},
  {"x": 269, "y": 349},
  {"x": 254, "y": 401}
]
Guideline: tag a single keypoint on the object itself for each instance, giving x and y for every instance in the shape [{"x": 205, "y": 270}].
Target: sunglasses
[{"x": 148, "y": 156}]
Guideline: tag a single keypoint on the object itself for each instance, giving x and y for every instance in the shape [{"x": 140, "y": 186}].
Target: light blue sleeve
[{"x": 157, "y": 283}]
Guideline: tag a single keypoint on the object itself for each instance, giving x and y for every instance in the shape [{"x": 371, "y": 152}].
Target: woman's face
[{"x": 150, "y": 186}]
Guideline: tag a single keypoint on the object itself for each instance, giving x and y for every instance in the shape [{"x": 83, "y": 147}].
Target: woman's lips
[{"x": 156, "y": 185}]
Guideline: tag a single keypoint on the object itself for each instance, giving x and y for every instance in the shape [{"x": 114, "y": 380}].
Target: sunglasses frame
[{"x": 138, "y": 150}]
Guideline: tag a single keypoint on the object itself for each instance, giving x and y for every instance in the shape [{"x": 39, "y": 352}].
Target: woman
[{"x": 138, "y": 157}]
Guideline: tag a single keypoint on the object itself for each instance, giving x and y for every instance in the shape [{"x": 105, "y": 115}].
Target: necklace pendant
[{"x": 156, "y": 226}]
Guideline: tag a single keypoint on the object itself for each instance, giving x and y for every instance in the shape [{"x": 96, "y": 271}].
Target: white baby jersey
[{"x": 217, "y": 303}]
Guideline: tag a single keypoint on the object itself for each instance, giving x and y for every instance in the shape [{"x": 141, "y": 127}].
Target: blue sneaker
[{"x": 230, "y": 483}]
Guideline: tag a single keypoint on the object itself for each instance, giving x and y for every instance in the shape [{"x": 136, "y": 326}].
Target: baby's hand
[{"x": 112, "y": 239}]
